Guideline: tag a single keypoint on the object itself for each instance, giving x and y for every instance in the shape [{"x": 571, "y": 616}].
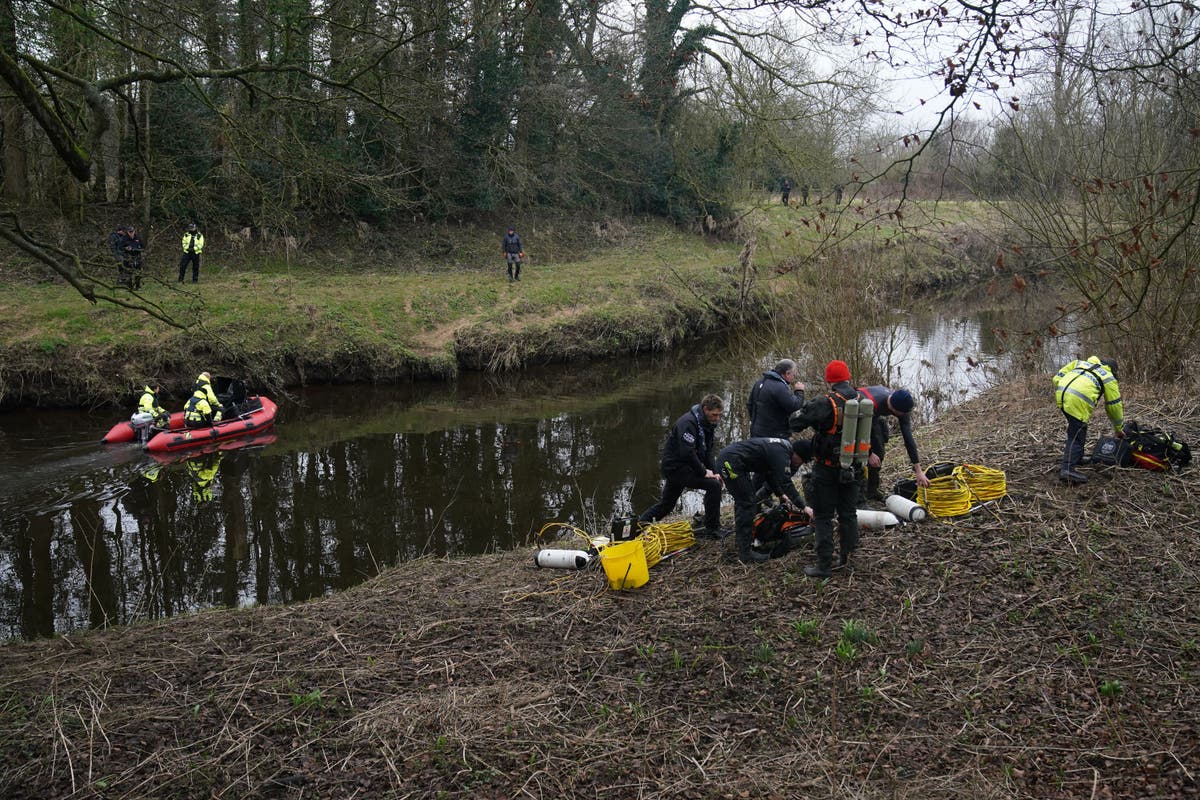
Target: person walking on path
[
  {"x": 776, "y": 461},
  {"x": 193, "y": 246},
  {"x": 834, "y": 489},
  {"x": 687, "y": 463},
  {"x": 514, "y": 253},
  {"x": 1078, "y": 387}
]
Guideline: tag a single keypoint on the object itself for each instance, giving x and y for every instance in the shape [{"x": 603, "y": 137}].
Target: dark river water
[{"x": 354, "y": 479}]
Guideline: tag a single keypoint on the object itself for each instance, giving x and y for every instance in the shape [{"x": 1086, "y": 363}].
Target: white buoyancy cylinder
[
  {"x": 874, "y": 520},
  {"x": 905, "y": 509},
  {"x": 562, "y": 559}
]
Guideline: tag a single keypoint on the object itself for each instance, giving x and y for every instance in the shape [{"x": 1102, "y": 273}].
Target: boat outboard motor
[{"x": 142, "y": 423}]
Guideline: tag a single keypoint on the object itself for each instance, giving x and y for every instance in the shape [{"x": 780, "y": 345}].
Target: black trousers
[
  {"x": 831, "y": 497},
  {"x": 1077, "y": 431},
  {"x": 194, "y": 260},
  {"x": 673, "y": 488}
]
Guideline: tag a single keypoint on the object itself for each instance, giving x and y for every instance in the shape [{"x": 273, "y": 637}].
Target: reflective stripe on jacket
[
  {"x": 1079, "y": 385},
  {"x": 196, "y": 239}
]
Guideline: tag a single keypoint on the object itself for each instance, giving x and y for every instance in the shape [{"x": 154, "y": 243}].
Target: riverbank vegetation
[{"x": 1042, "y": 647}]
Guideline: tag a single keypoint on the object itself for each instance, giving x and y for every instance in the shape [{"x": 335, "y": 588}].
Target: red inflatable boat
[
  {"x": 125, "y": 431},
  {"x": 254, "y": 415}
]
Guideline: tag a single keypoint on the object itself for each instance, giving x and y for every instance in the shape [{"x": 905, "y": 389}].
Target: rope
[
  {"x": 660, "y": 539},
  {"x": 947, "y": 496},
  {"x": 984, "y": 483}
]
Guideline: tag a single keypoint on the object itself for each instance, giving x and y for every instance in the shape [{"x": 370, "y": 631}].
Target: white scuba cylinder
[
  {"x": 562, "y": 559},
  {"x": 876, "y": 520},
  {"x": 862, "y": 444},
  {"x": 849, "y": 432},
  {"x": 904, "y": 508}
]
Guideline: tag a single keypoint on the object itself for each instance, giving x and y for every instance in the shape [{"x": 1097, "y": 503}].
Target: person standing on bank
[
  {"x": 804, "y": 194},
  {"x": 687, "y": 463},
  {"x": 889, "y": 403},
  {"x": 514, "y": 253},
  {"x": 775, "y": 397},
  {"x": 834, "y": 490},
  {"x": 786, "y": 191},
  {"x": 775, "y": 460},
  {"x": 193, "y": 246},
  {"x": 1078, "y": 387}
]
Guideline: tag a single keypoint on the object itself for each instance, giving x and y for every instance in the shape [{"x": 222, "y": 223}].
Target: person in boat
[
  {"x": 203, "y": 409},
  {"x": 148, "y": 404}
]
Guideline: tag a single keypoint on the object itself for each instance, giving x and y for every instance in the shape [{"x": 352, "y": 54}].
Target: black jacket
[
  {"x": 772, "y": 401},
  {"x": 512, "y": 244},
  {"x": 821, "y": 415},
  {"x": 687, "y": 451},
  {"x": 879, "y": 426},
  {"x": 769, "y": 457}
]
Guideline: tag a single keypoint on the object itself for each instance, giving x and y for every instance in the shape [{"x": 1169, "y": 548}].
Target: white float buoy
[
  {"x": 562, "y": 559},
  {"x": 874, "y": 520}
]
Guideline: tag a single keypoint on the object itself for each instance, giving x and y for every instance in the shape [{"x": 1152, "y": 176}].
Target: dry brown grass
[{"x": 1044, "y": 647}]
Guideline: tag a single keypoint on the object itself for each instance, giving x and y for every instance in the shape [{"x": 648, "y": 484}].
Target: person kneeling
[{"x": 203, "y": 409}]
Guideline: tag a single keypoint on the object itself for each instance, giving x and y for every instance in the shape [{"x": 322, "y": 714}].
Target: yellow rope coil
[
  {"x": 947, "y": 496},
  {"x": 661, "y": 538},
  {"x": 984, "y": 483}
]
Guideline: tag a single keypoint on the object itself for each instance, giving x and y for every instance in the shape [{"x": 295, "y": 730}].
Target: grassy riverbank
[
  {"x": 1045, "y": 647},
  {"x": 431, "y": 302}
]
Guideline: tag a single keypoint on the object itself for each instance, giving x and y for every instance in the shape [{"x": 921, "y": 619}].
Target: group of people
[
  {"x": 764, "y": 464},
  {"x": 785, "y": 193},
  {"x": 127, "y": 248},
  {"x": 202, "y": 410}
]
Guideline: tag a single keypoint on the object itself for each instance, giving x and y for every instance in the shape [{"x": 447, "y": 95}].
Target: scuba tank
[
  {"x": 849, "y": 433},
  {"x": 562, "y": 559},
  {"x": 905, "y": 509},
  {"x": 876, "y": 519},
  {"x": 862, "y": 436}
]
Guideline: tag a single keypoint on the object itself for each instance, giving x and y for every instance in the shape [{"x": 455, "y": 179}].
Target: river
[{"x": 356, "y": 478}]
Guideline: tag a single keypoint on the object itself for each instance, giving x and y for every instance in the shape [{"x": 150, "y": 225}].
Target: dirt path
[{"x": 1045, "y": 647}]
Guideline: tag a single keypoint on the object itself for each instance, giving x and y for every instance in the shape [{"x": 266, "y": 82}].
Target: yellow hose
[
  {"x": 984, "y": 483},
  {"x": 947, "y": 496}
]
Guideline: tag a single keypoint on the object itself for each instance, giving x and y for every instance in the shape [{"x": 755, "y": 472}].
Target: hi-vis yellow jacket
[
  {"x": 196, "y": 238},
  {"x": 1079, "y": 385}
]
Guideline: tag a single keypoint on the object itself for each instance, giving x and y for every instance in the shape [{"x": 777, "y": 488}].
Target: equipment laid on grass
[
  {"x": 625, "y": 564},
  {"x": 876, "y": 520},
  {"x": 1155, "y": 449},
  {"x": 906, "y": 510},
  {"x": 562, "y": 559},
  {"x": 778, "y": 529}
]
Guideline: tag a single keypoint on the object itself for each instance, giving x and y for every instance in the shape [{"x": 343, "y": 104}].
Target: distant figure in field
[
  {"x": 786, "y": 190},
  {"x": 837, "y": 194},
  {"x": 193, "y": 246},
  {"x": 514, "y": 253},
  {"x": 804, "y": 194}
]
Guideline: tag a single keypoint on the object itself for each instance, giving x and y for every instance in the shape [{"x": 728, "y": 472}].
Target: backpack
[
  {"x": 1155, "y": 449},
  {"x": 1113, "y": 452},
  {"x": 775, "y": 528}
]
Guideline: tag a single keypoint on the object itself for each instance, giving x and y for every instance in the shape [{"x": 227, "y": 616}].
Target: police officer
[
  {"x": 890, "y": 403},
  {"x": 1078, "y": 387},
  {"x": 148, "y": 404},
  {"x": 775, "y": 460},
  {"x": 202, "y": 408},
  {"x": 834, "y": 489},
  {"x": 193, "y": 246},
  {"x": 687, "y": 463}
]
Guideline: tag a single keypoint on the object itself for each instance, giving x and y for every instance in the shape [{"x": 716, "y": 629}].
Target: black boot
[
  {"x": 818, "y": 570},
  {"x": 746, "y": 553}
]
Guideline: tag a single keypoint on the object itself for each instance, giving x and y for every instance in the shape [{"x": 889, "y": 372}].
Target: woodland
[{"x": 285, "y": 121}]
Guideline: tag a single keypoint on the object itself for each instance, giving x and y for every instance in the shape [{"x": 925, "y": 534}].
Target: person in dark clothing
[
  {"x": 804, "y": 194},
  {"x": 514, "y": 253},
  {"x": 786, "y": 191},
  {"x": 890, "y": 403},
  {"x": 834, "y": 489},
  {"x": 131, "y": 249},
  {"x": 837, "y": 195},
  {"x": 776, "y": 460},
  {"x": 193, "y": 246},
  {"x": 687, "y": 463},
  {"x": 775, "y": 397}
]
